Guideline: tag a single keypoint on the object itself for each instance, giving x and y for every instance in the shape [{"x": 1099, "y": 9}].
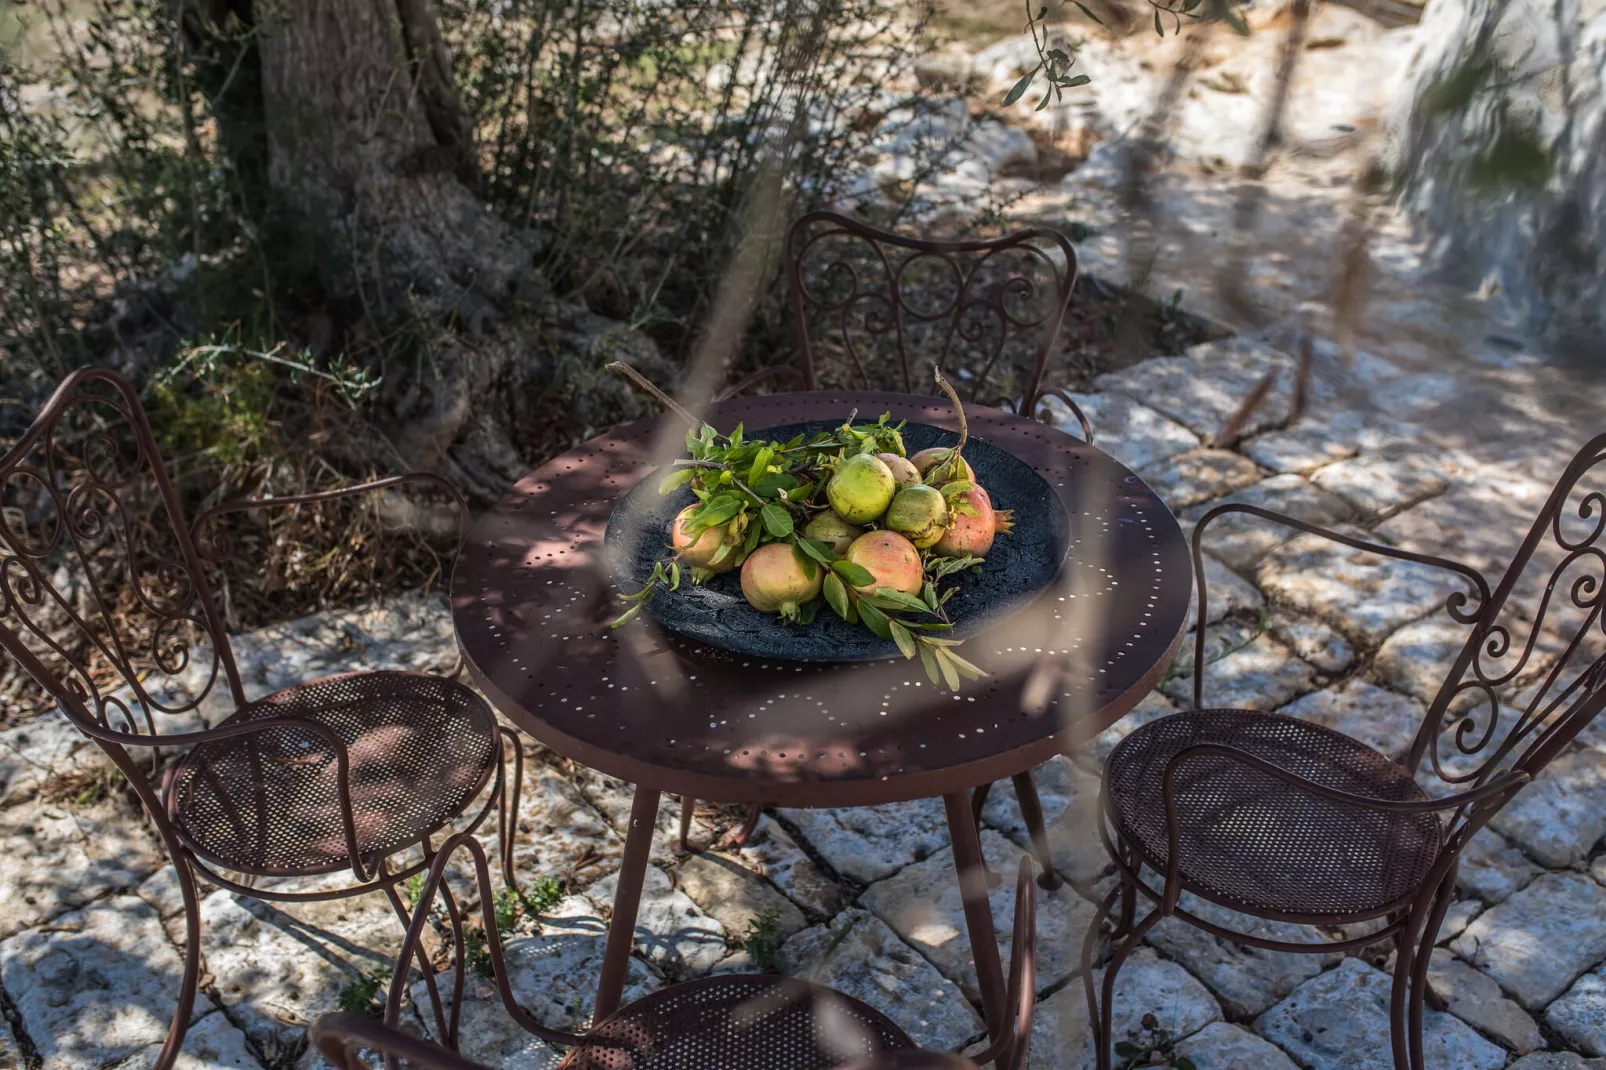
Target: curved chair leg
[
  {"x": 1421, "y": 990},
  {"x": 192, "y": 962},
  {"x": 1400, "y": 996},
  {"x": 1031, "y": 811},
  {"x": 978, "y": 800},
  {"x": 1129, "y": 894},
  {"x": 1101, "y": 1007},
  {"x": 406, "y": 919},
  {"x": 507, "y": 811}
]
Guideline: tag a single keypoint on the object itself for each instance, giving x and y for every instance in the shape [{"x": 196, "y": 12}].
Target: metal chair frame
[
  {"x": 1548, "y": 724},
  {"x": 88, "y": 503},
  {"x": 1009, "y": 1050}
]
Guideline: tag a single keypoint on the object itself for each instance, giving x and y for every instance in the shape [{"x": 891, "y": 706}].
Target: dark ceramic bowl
[{"x": 1019, "y": 566}]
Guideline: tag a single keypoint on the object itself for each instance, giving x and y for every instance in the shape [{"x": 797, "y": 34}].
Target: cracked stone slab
[
  {"x": 1242, "y": 540},
  {"x": 1146, "y": 984},
  {"x": 1222, "y": 1046},
  {"x": 1153, "y": 705},
  {"x": 867, "y": 843},
  {"x": 1314, "y": 641},
  {"x": 734, "y": 895},
  {"x": 1070, "y": 800},
  {"x": 62, "y": 855},
  {"x": 1245, "y": 979},
  {"x": 772, "y": 853},
  {"x": 213, "y": 1043},
  {"x": 1579, "y": 1016},
  {"x": 922, "y": 904},
  {"x": 487, "y": 1033},
  {"x": 1340, "y": 1021},
  {"x": 48, "y": 746},
  {"x": 1226, "y": 593},
  {"x": 1382, "y": 486},
  {"x": 1318, "y": 440},
  {"x": 560, "y": 834},
  {"x": 271, "y": 982},
  {"x": 1457, "y": 916},
  {"x": 1559, "y": 817},
  {"x": 1204, "y": 389},
  {"x": 1557, "y": 1060},
  {"x": 1384, "y": 720},
  {"x": 1259, "y": 676},
  {"x": 1134, "y": 434},
  {"x": 1541, "y": 938},
  {"x": 95, "y": 985},
  {"x": 613, "y": 798},
  {"x": 1480, "y": 521},
  {"x": 1365, "y": 595},
  {"x": 1492, "y": 869},
  {"x": 859, "y": 956},
  {"x": 672, "y": 932},
  {"x": 1416, "y": 659},
  {"x": 1199, "y": 475},
  {"x": 1478, "y": 1001}
]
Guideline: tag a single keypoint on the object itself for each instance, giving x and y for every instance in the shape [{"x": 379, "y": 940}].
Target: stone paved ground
[{"x": 864, "y": 900}]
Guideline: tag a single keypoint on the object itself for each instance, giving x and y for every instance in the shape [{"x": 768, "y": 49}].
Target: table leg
[
  {"x": 626, "y": 900},
  {"x": 978, "y": 910},
  {"x": 1031, "y": 811}
]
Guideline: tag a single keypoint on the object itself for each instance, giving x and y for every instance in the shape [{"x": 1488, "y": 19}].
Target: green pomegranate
[
  {"x": 774, "y": 581},
  {"x": 699, "y": 552},
  {"x": 926, "y": 459},
  {"x": 919, "y": 513},
  {"x": 902, "y": 469},
  {"x": 891, "y": 559},
  {"x": 861, "y": 489},
  {"x": 829, "y": 528},
  {"x": 973, "y": 533}
]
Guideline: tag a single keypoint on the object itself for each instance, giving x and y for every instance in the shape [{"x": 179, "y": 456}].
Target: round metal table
[{"x": 532, "y": 597}]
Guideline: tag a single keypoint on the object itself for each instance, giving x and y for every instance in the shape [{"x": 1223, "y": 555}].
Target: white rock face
[{"x": 1497, "y": 132}]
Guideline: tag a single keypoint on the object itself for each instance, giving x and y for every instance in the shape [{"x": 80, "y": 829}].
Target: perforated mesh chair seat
[
  {"x": 740, "y": 1021},
  {"x": 419, "y": 746},
  {"x": 1250, "y": 841}
]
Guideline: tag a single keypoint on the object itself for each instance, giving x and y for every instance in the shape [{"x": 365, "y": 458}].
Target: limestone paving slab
[
  {"x": 1204, "y": 389},
  {"x": 1325, "y": 649},
  {"x": 859, "y": 956},
  {"x": 1225, "y": 593},
  {"x": 1319, "y": 439},
  {"x": 1540, "y": 939},
  {"x": 213, "y": 1043},
  {"x": 868, "y": 843},
  {"x": 1557, "y": 1060},
  {"x": 561, "y": 834},
  {"x": 1492, "y": 869},
  {"x": 1145, "y": 985},
  {"x": 1558, "y": 819},
  {"x": 773, "y": 854},
  {"x": 95, "y": 985},
  {"x": 1261, "y": 675},
  {"x": 734, "y": 895},
  {"x": 921, "y": 903},
  {"x": 1070, "y": 801},
  {"x": 1579, "y": 1016},
  {"x": 1340, "y": 1021},
  {"x": 1199, "y": 475},
  {"x": 1477, "y": 1000},
  {"x": 1366, "y": 596},
  {"x": 1153, "y": 705},
  {"x": 1224, "y": 1046},
  {"x": 1382, "y": 486},
  {"x": 672, "y": 932},
  {"x": 1242, "y": 540},
  {"x": 1384, "y": 720},
  {"x": 47, "y": 746},
  {"x": 1246, "y": 979},
  {"x": 1134, "y": 434}
]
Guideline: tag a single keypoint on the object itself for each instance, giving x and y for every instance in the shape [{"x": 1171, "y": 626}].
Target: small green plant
[
  {"x": 413, "y": 889},
  {"x": 764, "y": 937},
  {"x": 361, "y": 996},
  {"x": 1147, "y": 1042},
  {"x": 544, "y": 894},
  {"x": 507, "y": 911},
  {"x": 477, "y": 954}
]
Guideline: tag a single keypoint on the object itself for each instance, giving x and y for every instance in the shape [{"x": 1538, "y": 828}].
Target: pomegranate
[
  {"x": 927, "y": 459},
  {"x": 861, "y": 489},
  {"x": 891, "y": 559},
  {"x": 973, "y": 533},
  {"x": 699, "y": 552},
  {"x": 773, "y": 580},
  {"x": 830, "y": 528},
  {"x": 919, "y": 513},
  {"x": 902, "y": 469}
]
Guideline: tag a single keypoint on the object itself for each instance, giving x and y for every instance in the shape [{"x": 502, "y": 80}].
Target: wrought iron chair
[
  {"x": 738, "y": 1020},
  {"x": 105, "y": 601},
  {"x": 865, "y": 295},
  {"x": 1280, "y": 818}
]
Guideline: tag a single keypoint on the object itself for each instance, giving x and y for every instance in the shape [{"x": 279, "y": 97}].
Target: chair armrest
[
  {"x": 1070, "y": 403},
  {"x": 493, "y": 943},
  {"x": 1456, "y": 603},
  {"x": 763, "y": 375},
  {"x": 339, "y": 1034},
  {"x": 1508, "y": 781}
]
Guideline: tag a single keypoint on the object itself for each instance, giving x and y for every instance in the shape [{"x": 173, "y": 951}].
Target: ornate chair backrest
[
  {"x": 1532, "y": 673},
  {"x": 867, "y": 305},
  {"x": 103, "y": 598}
]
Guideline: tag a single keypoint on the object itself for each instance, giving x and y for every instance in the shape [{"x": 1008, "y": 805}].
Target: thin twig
[{"x": 646, "y": 384}]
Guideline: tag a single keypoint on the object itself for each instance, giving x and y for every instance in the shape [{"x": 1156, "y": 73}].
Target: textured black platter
[{"x": 1019, "y": 566}]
